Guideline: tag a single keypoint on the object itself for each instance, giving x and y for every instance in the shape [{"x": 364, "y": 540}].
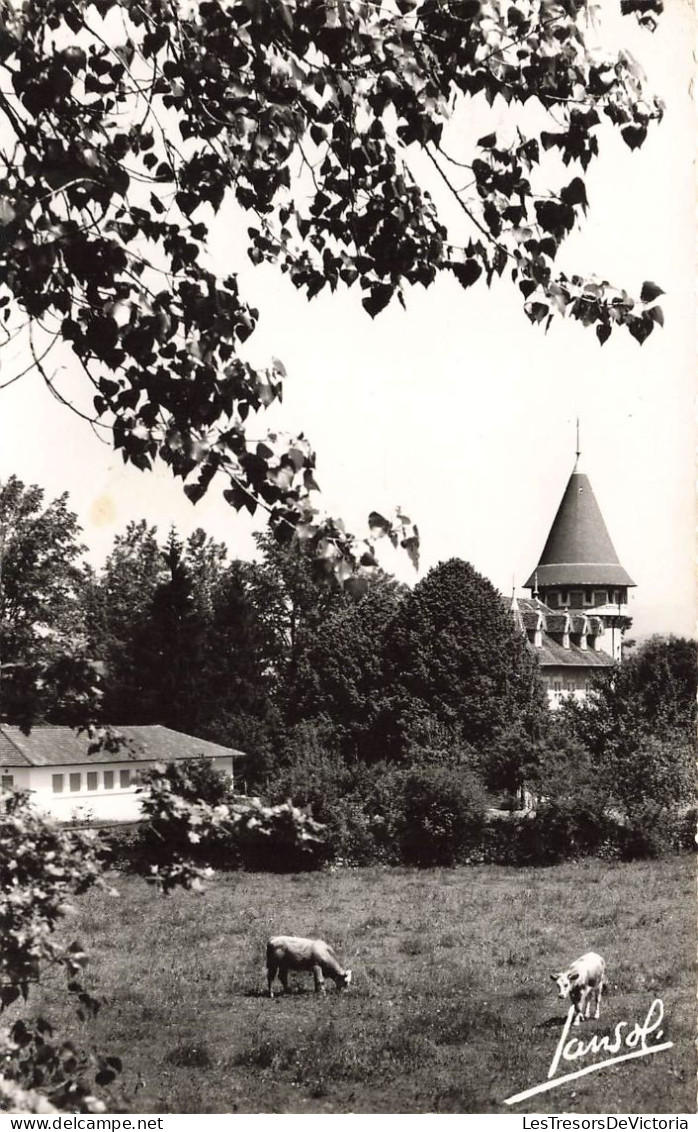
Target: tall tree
[
  {"x": 154, "y": 611},
  {"x": 45, "y": 672},
  {"x": 342, "y": 674},
  {"x": 240, "y": 662},
  {"x": 455, "y": 654},
  {"x": 288, "y": 590},
  {"x": 168, "y": 649},
  {"x": 119, "y": 608},
  {"x": 125, "y": 126}
]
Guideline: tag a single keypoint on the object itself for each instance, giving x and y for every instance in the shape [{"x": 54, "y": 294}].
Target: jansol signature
[{"x": 633, "y": 1037}]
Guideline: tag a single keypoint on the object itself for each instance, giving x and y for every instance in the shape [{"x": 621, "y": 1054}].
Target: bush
[
  {"x": 313, "y": 773},
  {"x": 42, "y": 866},
  {"x": 280, "y": 839},
  {"x": 184, "y": 837},
  {"x": 364, "y": 827},
  {"x": 560, "y": 831},
  {"x": 652, "y": 831},
  {"x": 443, "y": 815},
  {"x": 196, "y": 780}
]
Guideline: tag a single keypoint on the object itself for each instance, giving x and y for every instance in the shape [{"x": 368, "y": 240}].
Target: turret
[{"x": 579, "y": 569}]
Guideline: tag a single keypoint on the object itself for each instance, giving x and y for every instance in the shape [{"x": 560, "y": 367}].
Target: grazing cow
[
  {"x": 291, "y": 953},
  {"x": 582, "y": 982}
]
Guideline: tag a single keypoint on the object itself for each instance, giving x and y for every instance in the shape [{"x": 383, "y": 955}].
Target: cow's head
[
  {"x": 565, "y": 983},
  {"x": 344, "y": 981}
]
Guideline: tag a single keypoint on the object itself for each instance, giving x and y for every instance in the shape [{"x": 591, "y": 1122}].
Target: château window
[
  {"x": 7, "y": 781},
  {"x": 57, "y": 783},
  {"x": 75, "y": 783},
  {"x": 124, "y": 779},
  {"x": 109, "y": 780},
  {"x": 92, "y": 780}
]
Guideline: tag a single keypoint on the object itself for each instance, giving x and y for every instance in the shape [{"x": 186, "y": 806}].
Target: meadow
[{"x": 451, "y": 1009}]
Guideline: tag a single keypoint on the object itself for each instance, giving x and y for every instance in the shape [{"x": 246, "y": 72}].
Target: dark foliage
[
  {"x": 443, "y": 815},
  {"x": 127, "y": 137},
  {"x": 46, "y": 671},
  {"x": 454, "y": 653}
]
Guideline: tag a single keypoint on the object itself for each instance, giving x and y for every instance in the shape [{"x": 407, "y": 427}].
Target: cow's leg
[
  {"x": 588, "y": 994},
  {"x": 271, "y": 975},
  {"x": 283, "y": 975},
  {"x": 577, "y": 1000},
  {"x": 319, "y": 979},
  {"x": 598, "y": 1000}
]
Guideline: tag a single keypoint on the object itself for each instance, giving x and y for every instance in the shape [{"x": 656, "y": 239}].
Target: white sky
[{"x": 458, "y": 409}]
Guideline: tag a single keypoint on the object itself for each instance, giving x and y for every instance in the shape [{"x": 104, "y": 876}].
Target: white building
[{"x": 70, "y": 779}]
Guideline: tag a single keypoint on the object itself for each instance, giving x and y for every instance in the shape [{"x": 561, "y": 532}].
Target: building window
[
  {"x": 57, "y": 783},
  {"x": 7, "y": 782},
  {"x": 124, "y": 779},
  {"x": 109, "y": 780},
  {"x": 588, "y": 597},
  {"x": 75, "y": 783},
  {"x": 600, "y": 597},
  {"x": 92, "y": 779}
]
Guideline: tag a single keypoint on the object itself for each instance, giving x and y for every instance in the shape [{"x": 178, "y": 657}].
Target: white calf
[
  {"x": 582, "y": 982},
  {"x": 291, "y": 953}
]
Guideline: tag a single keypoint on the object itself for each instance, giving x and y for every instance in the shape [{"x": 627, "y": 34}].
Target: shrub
[
  {"x": 281, "y": 839},
  {"x": 313, "y": 773},
  {"x": 443, "y": 816},
  {"x": 41, "y": 867},
  {"x": 653, "y": 831},
  {"x": 182, "y": 838},
  {"x": 34, "y": 1060},
  {"x": 560, "y": 831},
  {"x": 195, "y": 780}
]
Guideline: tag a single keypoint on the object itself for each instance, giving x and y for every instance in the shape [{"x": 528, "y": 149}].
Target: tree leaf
[
  {"x": 467, "y": 273},
  {"x": 650, "y": 291},
  {"x": 378, "y": 525},
  {"x": 380, "y": 296}
]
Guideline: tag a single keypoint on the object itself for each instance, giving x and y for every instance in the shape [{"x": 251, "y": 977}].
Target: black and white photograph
[{"x": 348, "y": 660}]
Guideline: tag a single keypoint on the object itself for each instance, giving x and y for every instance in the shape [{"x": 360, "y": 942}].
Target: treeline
[{"x": 398, "y": 716}]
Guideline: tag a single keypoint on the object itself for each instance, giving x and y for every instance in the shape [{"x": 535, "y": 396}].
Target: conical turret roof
[{"x": 579, "y": 551}]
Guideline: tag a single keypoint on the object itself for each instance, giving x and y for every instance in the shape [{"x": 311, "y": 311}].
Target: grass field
[{"x": 452, "y": 1008}]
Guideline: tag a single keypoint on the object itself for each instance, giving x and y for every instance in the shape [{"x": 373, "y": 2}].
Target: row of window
[
  {"x": 576, "y": 599},
  {"x": 126, "y": 779},
  {"x": 569, "y": 685}
]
